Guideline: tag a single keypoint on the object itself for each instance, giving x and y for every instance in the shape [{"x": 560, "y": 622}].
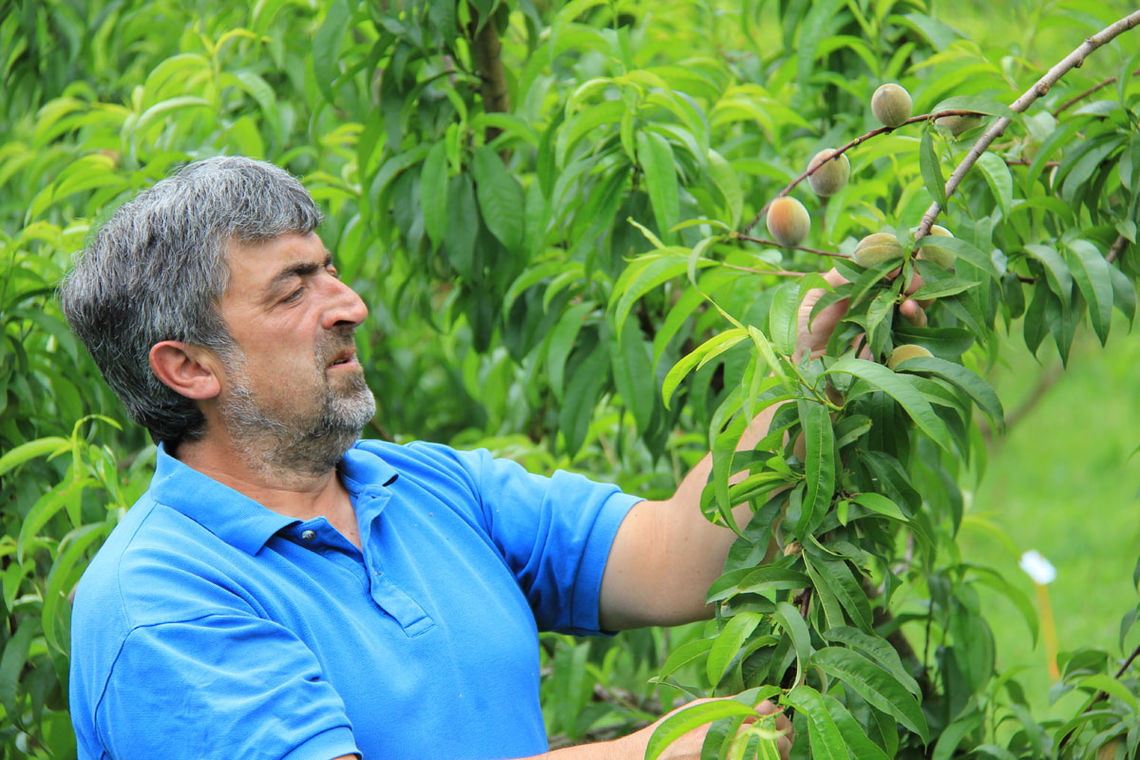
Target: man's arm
[{"x": 666, "y": 554}]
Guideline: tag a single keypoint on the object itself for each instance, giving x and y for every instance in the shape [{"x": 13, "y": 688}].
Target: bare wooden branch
[{"x": 1038, "y": 90}]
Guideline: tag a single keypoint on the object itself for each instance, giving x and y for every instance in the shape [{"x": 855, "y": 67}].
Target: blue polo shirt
[{"x": 211, "y": 626}]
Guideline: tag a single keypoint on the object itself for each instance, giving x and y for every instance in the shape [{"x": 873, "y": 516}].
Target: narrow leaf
[
  {"x": 931, "y": 170},
  {"x": 880, "y": 688},
  {"x": 824, "y": 736},
  {"x": 895, "y": 386},
  {"x": 819, "y": 465},
  {"x": 688, "y": 718},
  {"x": 501, "y": 199},
  {"x": 656, "y": 159}
]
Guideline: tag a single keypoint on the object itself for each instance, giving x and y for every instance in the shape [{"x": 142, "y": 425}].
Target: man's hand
[{"x": 812, "y": 335}]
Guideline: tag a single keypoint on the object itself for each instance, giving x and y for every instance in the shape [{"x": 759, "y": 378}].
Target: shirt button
[{"x": 308, "y": 535}]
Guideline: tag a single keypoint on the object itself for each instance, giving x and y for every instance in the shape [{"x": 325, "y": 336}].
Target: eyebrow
[{"x": 301, "y": 269}]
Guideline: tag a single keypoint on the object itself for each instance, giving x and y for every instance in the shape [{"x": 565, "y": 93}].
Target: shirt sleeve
[
  {"x": 555, "y": 534},
  {"x": 239, "y": 685}
]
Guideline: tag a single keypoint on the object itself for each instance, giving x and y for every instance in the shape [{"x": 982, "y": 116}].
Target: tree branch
[
  {"x": 489, "y": 61},
  {"x": 1039, "y": 89}
]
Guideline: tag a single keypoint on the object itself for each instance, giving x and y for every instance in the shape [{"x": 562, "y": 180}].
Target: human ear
[{"x": 188, "y": 370}]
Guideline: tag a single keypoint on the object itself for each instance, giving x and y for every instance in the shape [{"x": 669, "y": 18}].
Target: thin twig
[
  {"x": 1038, "y": 90},
  {"x": 1078, "y": 98},
  {"x": 843, "y": 149},
  {"x": 1116, "y": 248}
]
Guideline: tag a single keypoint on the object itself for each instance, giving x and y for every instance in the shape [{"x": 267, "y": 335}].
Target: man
[{"x": 285, "y": 590}]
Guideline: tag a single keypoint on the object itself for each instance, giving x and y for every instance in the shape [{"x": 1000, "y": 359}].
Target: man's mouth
[{"x": 343, "y": 358}]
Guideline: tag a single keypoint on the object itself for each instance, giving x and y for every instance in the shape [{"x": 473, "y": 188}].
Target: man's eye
[{"x": 294, "y": 296}]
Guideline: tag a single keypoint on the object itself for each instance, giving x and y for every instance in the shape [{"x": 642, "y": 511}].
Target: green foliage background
[{"x": 557, "y": 274}]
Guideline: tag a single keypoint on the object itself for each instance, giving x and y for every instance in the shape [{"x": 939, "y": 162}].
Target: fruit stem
[{"x": 774, "y": 244}]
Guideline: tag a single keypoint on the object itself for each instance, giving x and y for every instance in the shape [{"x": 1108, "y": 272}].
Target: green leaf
[
  {"x": 656, "y": 159},
  {"x": 931, "y": 169},
  {"x": 52, "y": 446},
  {"x": 633, "y": 374},
  {"x": 878, "y": 649},
  {"x": 966, "y": 723},
  {"x": 1056, "y": 269},
  {"x": 1091, "y": 273},
  {"x": 756, "y": 580},
  {"x": 964, "y": 250},
  {"x": 947, "y": 286},
  {"x": 727, "y": 181},
  {"x": 819, "y": 465},
  {"x": 895, "y": 386},
  {"x": 12, "y": 664},
  {"x": 824, "y": 736},
  {"x": 836, "y": 575},
  {"x": 562, "y": 341},
  {"x": 881, "y": 505},
  {"x": 690, "y": 717},
  {"x": 997, "y": 176},
  {"x": 433, "y": 193},
  {"x": 582, "y": 389},
  {"x": 853, "y": 733},
  {"x": 698, "y": 357},
  {"x": 1124, "y": 294},
  {"x": 783, "y": 316},
  {"x": 729, "y": 642},
  {"x": 501, "y": 199},
  {"x": 463, "y": 225},
  {"x": 326, "y": 46},
  {"x": 876, "y": 685},
  {"x": 974, "y": 386},
  {"x": 680, "y": 656},
  {"x": 1111, "y": 686},
  {"x": 793, "y": 624}
]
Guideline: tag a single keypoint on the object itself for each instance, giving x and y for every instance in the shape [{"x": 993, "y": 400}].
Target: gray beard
[{"x": 297, "y": 446}]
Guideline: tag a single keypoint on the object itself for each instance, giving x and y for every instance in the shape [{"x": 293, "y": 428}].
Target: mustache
[{"x": 336, "y": 341}]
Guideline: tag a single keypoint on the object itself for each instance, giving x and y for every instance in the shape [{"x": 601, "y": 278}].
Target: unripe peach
[
  {"x": 937, "y": 254},
  {"x": 877, "y": 248},
  {"x": 957, "y": 124},
  {"x": 906, "y": 351},
  {"x": 891, "y": 104},
  {"x": 831, "y": 174},
  {"x": 788, "y": 221}
]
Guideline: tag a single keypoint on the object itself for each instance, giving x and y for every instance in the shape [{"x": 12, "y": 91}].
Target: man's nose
[{"x": 347, "y": 308}]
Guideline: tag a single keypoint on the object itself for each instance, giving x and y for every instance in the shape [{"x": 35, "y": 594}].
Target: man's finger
[{"x": 913, "y": 313}]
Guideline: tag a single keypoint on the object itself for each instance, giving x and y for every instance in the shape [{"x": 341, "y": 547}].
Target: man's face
[{"x": 295, "y": 395}]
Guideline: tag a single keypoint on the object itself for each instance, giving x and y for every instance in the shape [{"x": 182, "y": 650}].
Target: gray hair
[{"x": 157, "y": 270}]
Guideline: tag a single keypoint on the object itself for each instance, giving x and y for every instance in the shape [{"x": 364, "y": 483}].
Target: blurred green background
[{"x": 1063, "y": 481}]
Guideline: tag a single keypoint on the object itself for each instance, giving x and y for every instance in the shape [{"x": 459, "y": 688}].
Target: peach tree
[{"x": 570, "y": 222}]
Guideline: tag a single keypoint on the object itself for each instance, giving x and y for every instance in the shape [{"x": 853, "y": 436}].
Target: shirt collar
[{"x": 234, "y": 517}]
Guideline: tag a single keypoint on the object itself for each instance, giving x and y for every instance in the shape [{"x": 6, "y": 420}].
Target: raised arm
[{"x": 666, "y": 554}]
